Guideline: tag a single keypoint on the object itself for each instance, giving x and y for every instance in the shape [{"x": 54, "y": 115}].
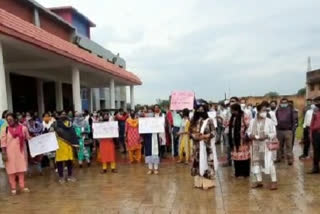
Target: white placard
[
  {"x": 105, "y": 130},
  {"x": 151, "y": 125},
  {"x": 43, "y": 144}
]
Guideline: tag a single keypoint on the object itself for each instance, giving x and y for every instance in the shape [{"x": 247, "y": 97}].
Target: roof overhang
[{"x": 13, "y": 26}]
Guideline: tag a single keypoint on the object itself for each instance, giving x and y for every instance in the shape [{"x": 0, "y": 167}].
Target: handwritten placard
[
  {"x": 181, "y": 100},
  {"x": 151, "y": 125},
  {"x": 105, "y": 130},
  {"x": 43, "y": 144}
]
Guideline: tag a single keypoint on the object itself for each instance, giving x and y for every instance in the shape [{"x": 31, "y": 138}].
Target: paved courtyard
[{"x": 133, "y": 191}]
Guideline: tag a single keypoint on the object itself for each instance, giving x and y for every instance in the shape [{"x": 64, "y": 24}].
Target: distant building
[
  {"x": 313, "y": 83},
  {"x": 48, "y": 62}
]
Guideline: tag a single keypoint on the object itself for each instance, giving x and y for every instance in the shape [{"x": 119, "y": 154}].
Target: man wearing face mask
[
  {"x": 306, "y": 129},
  {"x": 272, "y": 112},
  {"x": 286, "y": 123},
  {"x": 244, "y": 108},
  {"x": 315, "y": 136}
]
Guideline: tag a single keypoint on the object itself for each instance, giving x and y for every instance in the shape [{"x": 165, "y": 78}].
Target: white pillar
[
  {"x": 36, "y": 18},
  {"x": 40, "y": 97},
  {"x": 132, "y": 104},
  {"x": 124, "y": 95},
  {"x": 112, "y": 94},
  {"x": 96, "y": 92},
  {"x": 3, "y": 87},
  {"x": 76, "y": 93},
  {"x": 90, "y": 98},
  {"x": 9, "y": 92},
  {"x": 59, "y": 96}
]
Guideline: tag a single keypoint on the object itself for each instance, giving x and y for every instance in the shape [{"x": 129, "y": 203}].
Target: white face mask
[
  {"x": 313, "y": 106},
  {"x": 243, "y": 106},
  {"x": 263, "y": 114}
]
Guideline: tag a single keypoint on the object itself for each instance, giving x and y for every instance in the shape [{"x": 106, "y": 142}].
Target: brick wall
[{"x": 299, "y": 101}]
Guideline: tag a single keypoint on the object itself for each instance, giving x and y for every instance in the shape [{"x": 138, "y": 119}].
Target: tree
[
  {"x": 272, "y": 94},
  {"x": 302, "y": 92},
  {"x": 164, "y": 104}
]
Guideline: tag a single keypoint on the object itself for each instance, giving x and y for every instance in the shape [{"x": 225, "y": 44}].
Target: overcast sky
[{"x": 245, "y": 47}]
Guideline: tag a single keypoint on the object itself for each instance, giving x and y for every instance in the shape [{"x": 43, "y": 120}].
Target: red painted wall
[
  {"x": 65, "y": 14},
  {"x": 17, "y": 8},
  {"x": 25, "y": 12},
  {"x": 49, "y": 24}
]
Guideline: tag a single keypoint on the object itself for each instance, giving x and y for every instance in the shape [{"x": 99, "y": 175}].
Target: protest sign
[
  {"x": 43, "y": 144},
  {"x": 105, "y": 130},
  {"x": 151, "y": 125},
  {"x": 181, "y": 100}
]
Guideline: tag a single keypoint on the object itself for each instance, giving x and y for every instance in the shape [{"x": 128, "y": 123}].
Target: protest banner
[
  {"x": 43, "y": 144},
  {"x": 181, "y": 100},
  {"x": 105, "y": 130},
  {"x": 151, "y": 125}
]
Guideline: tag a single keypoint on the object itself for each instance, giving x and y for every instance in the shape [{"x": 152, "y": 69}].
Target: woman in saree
[{"x": 204, "y": 163}]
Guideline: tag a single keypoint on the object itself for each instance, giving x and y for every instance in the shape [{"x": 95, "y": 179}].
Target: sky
[{"x": 211, "y": 47}]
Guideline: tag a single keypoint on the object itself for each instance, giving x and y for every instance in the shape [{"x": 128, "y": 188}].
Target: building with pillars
[{"x": 49, "y": 62}]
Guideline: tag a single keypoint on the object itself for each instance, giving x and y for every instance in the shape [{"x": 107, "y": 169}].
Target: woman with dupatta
[
  {"x": 239, "y": 143},
  {"x": 133, "y": 139},
  {"x": 262, "y": 132},
  {"x": 14, "y": 152},
  {"x": 204, "y": 163},
  {"x": 67, "y": 138}
]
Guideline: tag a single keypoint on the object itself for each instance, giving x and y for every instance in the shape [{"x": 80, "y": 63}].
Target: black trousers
[
  {"x": 242, "y": 168},
  {"x": 60, "y": 167},
  {"x": 306, "y": 141},
  {"x": 176, "y": 137},
  {"x": 316, "y": 150}
]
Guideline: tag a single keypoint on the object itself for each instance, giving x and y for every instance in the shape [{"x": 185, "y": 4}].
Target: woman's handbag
[{"x": 273, "y": 145}]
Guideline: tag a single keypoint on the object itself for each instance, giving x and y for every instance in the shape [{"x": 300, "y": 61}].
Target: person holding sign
[
  {"x": 152, "y": 149},
  {"x": 14, "y": 152},
  {"x": 204, "y": 163},
  {"x": 67, "y": 138},
  {"x": 107, "y": 151},
  {"x": 133, "y": 139},
  {"x": 184, "y": 146}
]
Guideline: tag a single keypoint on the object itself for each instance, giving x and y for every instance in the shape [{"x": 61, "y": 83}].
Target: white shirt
[
  {"x": 273, "y": 117},
  {"x": 308, "y": 118},
  {"x": 213, "y": 115}
]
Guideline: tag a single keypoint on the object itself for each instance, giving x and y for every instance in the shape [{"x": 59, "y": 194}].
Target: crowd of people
[{"x": 256, "y": 137}]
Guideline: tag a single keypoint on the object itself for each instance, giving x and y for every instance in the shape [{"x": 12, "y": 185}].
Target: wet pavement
[{"x": 133, "y": 191}]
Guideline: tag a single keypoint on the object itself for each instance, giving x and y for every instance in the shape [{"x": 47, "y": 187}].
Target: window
[{"x": 311, "y": 87}]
